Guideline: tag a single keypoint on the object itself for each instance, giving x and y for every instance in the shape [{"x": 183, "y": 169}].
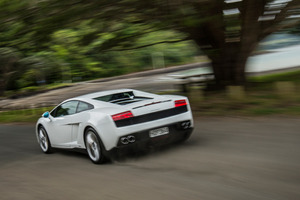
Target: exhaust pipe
[
  {"x": 185, "y": 125},
  {"x": 131, "y": 138},
  {"x": 124, "y": 140},
  {"x": 127, "y": 139}
]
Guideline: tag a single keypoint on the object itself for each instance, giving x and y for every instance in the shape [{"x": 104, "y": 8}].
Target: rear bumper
[
  {"x": 177, "y": 131},
  {"x": 152, "y": 116}
]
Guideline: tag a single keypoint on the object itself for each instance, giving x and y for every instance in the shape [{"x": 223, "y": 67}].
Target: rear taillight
[
  {"x": 180, "y": 103},
  {"x": 123, "y": 115}
]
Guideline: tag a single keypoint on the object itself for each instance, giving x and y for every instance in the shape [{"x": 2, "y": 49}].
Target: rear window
[{"x": 122, "y": 98}]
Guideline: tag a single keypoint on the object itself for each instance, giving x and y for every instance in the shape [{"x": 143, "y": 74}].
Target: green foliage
[
  {"x": 58, "y": 41},
  {"x": 67, "y": 41},
  {"x": 69, "y": 59}
]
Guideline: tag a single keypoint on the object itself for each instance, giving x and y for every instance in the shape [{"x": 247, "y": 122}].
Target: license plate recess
[{"x": 158, "y": 132}]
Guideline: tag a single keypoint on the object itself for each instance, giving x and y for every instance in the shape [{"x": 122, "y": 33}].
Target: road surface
[{"x": 226, "y": 158}]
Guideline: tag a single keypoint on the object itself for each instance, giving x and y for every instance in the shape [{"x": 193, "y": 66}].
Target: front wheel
[
  {"x": 44, "y": 140},
  {"x": 94, "y": 146}
]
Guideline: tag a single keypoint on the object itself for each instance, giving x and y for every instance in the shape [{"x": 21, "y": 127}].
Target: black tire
[
  {"x": 44, "y": 141},
  {"x": 94, "y": 146}
]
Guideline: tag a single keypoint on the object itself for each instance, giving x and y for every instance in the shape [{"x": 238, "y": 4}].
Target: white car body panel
[{"x": 68, "y": 131}]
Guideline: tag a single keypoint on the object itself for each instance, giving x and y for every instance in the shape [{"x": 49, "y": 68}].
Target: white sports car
[{"x": 104, "y": 122}]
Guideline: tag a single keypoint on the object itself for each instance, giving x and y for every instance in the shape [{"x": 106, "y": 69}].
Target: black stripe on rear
[{"x": 151, "y": 116}]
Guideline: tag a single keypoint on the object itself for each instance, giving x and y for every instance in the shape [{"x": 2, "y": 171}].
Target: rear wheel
[
  {"x": 44, "y": 140},
  {"x": 94, "y": 146}
]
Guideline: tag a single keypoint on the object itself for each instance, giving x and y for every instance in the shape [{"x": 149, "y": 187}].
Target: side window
[
  {"x": 82, "y": 106},
  {"x": 64, "y": 109}
]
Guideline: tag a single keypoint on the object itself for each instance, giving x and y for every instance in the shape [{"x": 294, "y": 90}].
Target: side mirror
[{"x": 46, "y": 114}]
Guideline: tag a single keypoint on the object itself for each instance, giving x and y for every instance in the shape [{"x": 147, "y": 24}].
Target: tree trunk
[
  {"x": 229, "y": 66},
  {"x": 6, "y": 70},
  {"x": 2, "y": 87}
]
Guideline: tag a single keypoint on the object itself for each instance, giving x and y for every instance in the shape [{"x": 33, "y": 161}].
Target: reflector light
[
  {"x": 123, "y": 115},
  {"x": 180, "y": 103}
]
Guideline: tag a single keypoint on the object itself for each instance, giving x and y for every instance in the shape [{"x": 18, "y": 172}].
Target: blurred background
[
  {"x": 234, "y": 59},
  {"x": 50, "y": 44}
]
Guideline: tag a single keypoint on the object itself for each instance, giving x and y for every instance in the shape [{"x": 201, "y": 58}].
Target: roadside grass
[
  {"x": 262, "y": 98},
  {"x": 24, "y": 115},
  {"x": 251, "y": 105},
  {"x": 293, "y": 76},
  {"x": 35, "y": 89}
]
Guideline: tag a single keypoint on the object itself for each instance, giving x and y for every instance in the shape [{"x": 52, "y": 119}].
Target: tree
[
  {"x": 8, "y": 59},
  {"x": 226, "y": 31}
]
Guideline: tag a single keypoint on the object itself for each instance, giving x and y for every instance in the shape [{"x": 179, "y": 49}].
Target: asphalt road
[{"x": 226, "y": 158}]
